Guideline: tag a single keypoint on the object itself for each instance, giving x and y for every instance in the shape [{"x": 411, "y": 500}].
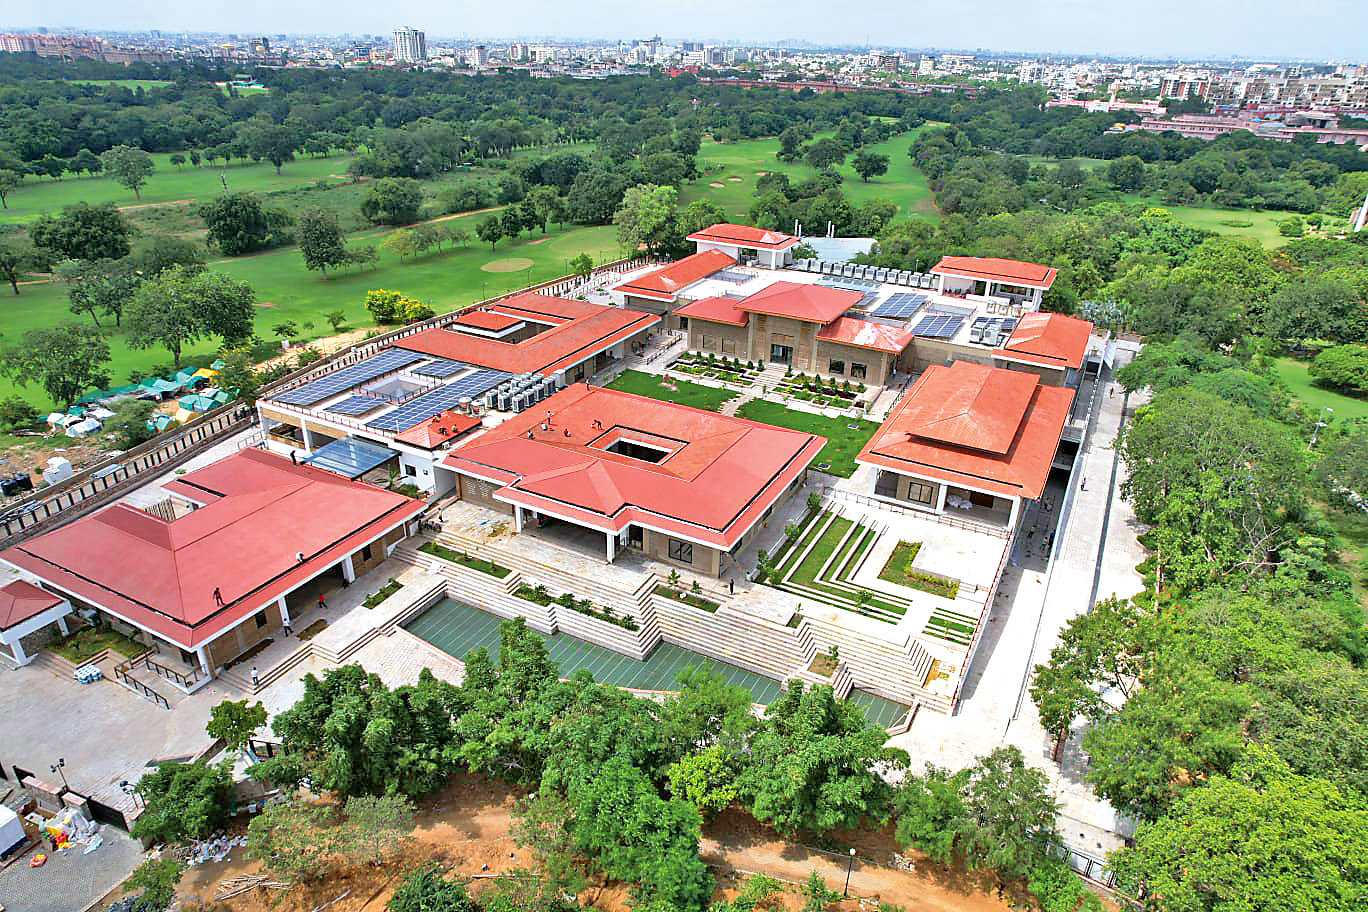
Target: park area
[{"x": 1295, "y": 374}]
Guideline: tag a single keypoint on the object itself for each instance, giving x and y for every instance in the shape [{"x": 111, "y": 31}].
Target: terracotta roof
[
  {"x": 865, "y": 334},
  {"x": 715, "y": 310},
  {"x": 717, "y": 476},
  {"x": 487, "y": 319},
  {"x": 258, "y": 512},
  {"x": 992, "y": 269},
  {"x": 667, "y": 281},
  {"x": 1048, "y": 339},
  {"x": 798, "y": 301},
  {"x": 744, "y": 236},
  {"x": 21, "y": 600},
  {"x": 438, "y": 430},
  {"x": 577, "y": 330},
  {"x": 986, "y": 428}
]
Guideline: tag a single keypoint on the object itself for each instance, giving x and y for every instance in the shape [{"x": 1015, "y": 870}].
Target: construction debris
[
  {"x": 236, "y": 886},
  {"x": 216, "y": 848}
]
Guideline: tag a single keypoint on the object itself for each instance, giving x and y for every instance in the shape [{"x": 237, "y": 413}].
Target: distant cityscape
[{"x": 1277, "y": 100}]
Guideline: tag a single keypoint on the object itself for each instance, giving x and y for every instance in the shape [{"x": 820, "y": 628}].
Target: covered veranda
[{"x": 27, "y": 611}]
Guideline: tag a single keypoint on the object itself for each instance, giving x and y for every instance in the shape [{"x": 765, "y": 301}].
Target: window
[
  {"x": 857, "y": 370},
  {"x": 683, "y": 322},
  {"x": 921, "y": 493},
  {"x": 681, "y": 551},
  {"x": 260, "y": 619},
  {"x": 835, "y": 366},
  {"x": 410, "y": 470},
  {"x": 728, "y": 346},
  {"x": 366, "y": 553}
]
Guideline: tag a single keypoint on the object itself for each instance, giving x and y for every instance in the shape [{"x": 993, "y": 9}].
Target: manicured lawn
[
  {"x": 131, "y": 84},
  {"x": 898, "y": 569},
  {"x": 843, "y": 441},
  {"x": 465, "y": 560},
  {"x": 1262, "y": 225},
  {"x": 1298, "y": 380},
  {"x": 694, "y": 395},
  {"x": 445, "y": 280},
  {"x": 734, "y": 166}
]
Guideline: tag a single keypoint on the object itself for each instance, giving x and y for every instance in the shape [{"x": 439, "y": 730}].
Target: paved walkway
[{"x": 70, "y": 881}]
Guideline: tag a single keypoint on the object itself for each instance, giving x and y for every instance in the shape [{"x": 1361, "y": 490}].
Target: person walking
[
  {"x": 731, "y": 586},
  {"x": 322, "y": 602},
  {"x": 255, "y": 680},
  {"x": 218, "y": 597}
]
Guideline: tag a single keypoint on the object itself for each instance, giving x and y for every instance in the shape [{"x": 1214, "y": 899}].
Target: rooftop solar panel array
[
  {"x": 388, "y": 361},
  {"x": 440, "y": 367},
  {"x": 849, "y": 284},
  {"x": 356, "y": 405},
  {"x": 418, "y": 410},
  {"x": 938, "y": 326},
  {"x": 900, "y": 306}
]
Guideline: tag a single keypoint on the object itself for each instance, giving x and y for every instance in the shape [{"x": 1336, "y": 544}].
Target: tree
[
  {"x": 812, "y": 764},
  {"x": 392, "y": 201},
  {"x": 9, "y": 182},
  {"x": 869, "y": 164},
  {"x": 426, "y": 890},
  {"x": 177, "y": 159},
  {"x": 195, "y": 158},
  {"x": 648, "y": 217},
  {"x": 165, "y": 252},
  {"x": 698, "y": 215},
  {"x": 458, "y": 234},
  {"x": 128, "y": 424},
  {"x": 128, "y": 166},
  {"x": 1342, "y": 367},
  {"x": 276, "y": 143},
  {"x": 706, "y": 779},
  {"x": 183, "y": 801},
  {"x": 825, "y": 153},
  {"x": 66, "y": 360},
  {"x": 239, "y": 375},
  {"x": 545, "y": 202},
  {"x": 17, "y": 258},
  {"x": 1260, "y": 838},
  {"x": 545, "y": 823},
  {"x": 790, "y": 143},
  {"x": 238, "y": 224},
  {"x": 490, "y": 229},
  {"x": 17, "y": 414},
  {"x": 511, "y": 221},
  {"x": 182, "y": 305},
  {"x": 336, "y": 319},
  {"x": 595, "y": 195},
  {"x": 706, "y": 711},
  {"x": 83, "y": 232},
  {"x": 1294, "y": 226},
  {"x": 1126, "y": 173},
  {"x": 235, "y": 722},
  {"x": 320, "y": 240},
  {"x": 97, "y": 287},
  {"x": 157, "y": 878},
  {"x": 51, "y": 165},
  {"x": 400, "y": 242},
  {"x": 928, "y": 810}
]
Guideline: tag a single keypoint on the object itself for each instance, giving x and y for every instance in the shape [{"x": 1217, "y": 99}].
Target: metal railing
[
  {"x": 170, "y": 674},
  {"x": 121, "y": 674},
  {"x": 871, "y": 501}
]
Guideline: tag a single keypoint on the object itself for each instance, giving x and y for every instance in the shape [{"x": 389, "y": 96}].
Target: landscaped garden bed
[
  {"x": 667, "y": 389},
  {"x": 732, "y": 370},
  {"x": 538, "y": 595},
  {"x": 460, "y": 557},
  {"x": 844, "y": 436},
  {"x": 383, "y": 593},
  {"x": 898, "y": 569},
  {"x": 688, "y": 598},
  {"x": 80, "y": 645}
]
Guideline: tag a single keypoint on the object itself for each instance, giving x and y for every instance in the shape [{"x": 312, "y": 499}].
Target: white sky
[{"x": 1319, "y": 29}]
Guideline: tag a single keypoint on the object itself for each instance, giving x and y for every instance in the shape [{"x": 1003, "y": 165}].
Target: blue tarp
[{"x": 350, "y": 457}]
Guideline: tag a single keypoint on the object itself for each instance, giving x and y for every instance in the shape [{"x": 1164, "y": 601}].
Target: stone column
[{"x": 284, "y": 611}]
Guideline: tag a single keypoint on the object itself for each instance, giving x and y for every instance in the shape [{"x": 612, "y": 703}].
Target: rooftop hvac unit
[
  {"x": 926, "y": 281},
  {"x": 491, "y": 399},
  {"x": 465, "y": 406},
  {"x": 505, "y": 401}
]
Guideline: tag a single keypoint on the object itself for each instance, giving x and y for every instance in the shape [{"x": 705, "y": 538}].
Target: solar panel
[
  {"x": 356, "y": 405},
  {"x": 938, "y": 326},
  {"x": 850, "y": 284},
  {"x": 388, "y": 361},
  {"x": 441, "y": 367},
  {"x": 350, "y": 457},
  {"x": 418, "y": 410},
  {"x": 900, "y": 305}
]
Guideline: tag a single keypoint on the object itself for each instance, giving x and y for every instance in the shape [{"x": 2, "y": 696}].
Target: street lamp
[
  {"x": 850, "y": 864},
  {"x": 57, "y": 768},
  {"x": 131, "y": 791},
  {"x": 1315, "y": 431}
]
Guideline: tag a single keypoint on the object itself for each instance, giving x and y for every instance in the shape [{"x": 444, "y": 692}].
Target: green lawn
[
  {"x": 734, "y": 166},
  {"x": 168, "y": 184},
  {"x": 1262, "y": 227},
  {"x": 843, "y": 442},
  {"x": 445, "y": 280},
  {"x": 1294, "y": 373},
  {"x": 131, "y": 84},
  {"x": 694, "y": 395}
]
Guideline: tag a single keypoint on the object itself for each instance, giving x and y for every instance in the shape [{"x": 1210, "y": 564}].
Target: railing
[
  {"x": 121, "y": 674},
  {"x": 870, "y": 501},
  {"x": 170, "y": 674}
]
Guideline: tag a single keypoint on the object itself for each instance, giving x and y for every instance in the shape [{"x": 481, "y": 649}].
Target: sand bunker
[
  {"x": 716, "y": 184},
  {"x": 511, "y": 264},
  {"x": 734, "y": 180}
]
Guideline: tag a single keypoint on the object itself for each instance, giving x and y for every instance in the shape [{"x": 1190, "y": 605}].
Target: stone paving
[{"x": 70, "y": 881}]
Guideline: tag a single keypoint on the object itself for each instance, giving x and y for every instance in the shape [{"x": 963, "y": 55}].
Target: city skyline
[{"x": 1253, "y": 29}]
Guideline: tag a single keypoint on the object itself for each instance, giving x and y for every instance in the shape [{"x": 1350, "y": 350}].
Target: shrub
[
  {"x": 183, "y": 801},
  {"x": 16, "y": 414},
  {"x": 1342, "y": 367},
  {"x": 158, "y": 879}
]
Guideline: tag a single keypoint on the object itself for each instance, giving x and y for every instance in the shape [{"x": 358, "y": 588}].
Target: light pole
[
  {"x": 1315, "y": 431},
  {"x": 131, "y": 791},
  {"x": 57, "y": 768},
  {"x": 850, "y": 864}
]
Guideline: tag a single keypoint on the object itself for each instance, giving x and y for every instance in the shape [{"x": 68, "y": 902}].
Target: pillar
[
  {"x": 517, "y": 518},
  {"x": 612, "y": 546},
  {"x": 940, "y": 498},
  {"x": 308, "y": 438},
  {"x": 203, "y": 655},
  {"x": 1016, "y": 510},
  {"x": 17, "y": 647},
  {"x": 62, "y": 626},
  {"x": 348, "y": 569},
  {"x": 284, "y": 611}
]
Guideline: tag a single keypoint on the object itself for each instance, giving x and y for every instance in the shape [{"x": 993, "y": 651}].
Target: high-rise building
[
  {"x": 261, "y": 47},
  {"x": 479, "y": 56},
  {"x": 410, "y": 45}
]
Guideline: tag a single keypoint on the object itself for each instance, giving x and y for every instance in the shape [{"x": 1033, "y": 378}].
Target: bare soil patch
[
  {"x": 137, "y": 206},
  {"x": 508, "y": 264}
]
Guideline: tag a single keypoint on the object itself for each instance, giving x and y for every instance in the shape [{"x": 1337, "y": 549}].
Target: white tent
[{"x": 11, "y": 830}]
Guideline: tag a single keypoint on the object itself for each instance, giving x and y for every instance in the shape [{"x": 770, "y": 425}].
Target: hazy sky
[{"x": 1317, "y": 29}]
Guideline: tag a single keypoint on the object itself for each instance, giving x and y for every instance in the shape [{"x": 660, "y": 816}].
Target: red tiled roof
[
  {"x": 664, "y": 283},
  {"x": 744, "y": 236},
  {"x": 1048, "y": 339},
  {"x": 715, "y": 310},
  {"x": 992, "y": 269},
  {"x": 487, "y": 319},
  {"x": 986, "y": 428},
  {"x": 864, "y": 334},
  {"x": 21, "y": 600},
  {"x": 438, "y": 430},
  {"x": 721, "y": 475},
  {"x": 578, "y": 330},
  {"x": 799, "y": 301},
  {"x": 259, "y": 512}
]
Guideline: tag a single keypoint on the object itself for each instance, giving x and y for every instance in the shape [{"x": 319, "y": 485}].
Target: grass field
[
  {"x": 694, "y": 395},
  {"x": 734, "y": 166},
  {"x": 445, "y": 280},
  {"x": 1263, "y": 225},
  {"x": 131, "y": 84},
  {"x": 168, "y": 184},
  {"x": 1298, "y": 380},
  {"x": 843, "y": 442}
]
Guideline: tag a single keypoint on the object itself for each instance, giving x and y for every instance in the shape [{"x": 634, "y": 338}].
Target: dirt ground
[
  {"x": 466, "y": 828},
  {"x": 30, "y": 454}
]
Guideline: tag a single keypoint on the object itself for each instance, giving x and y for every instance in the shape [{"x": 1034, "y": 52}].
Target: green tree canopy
[
  {"x": 184, "y": 801},
  {"x": 83, "y": 232},
  {"x": 128, "y": 166},
  {"x": 66, "y": 360}
]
